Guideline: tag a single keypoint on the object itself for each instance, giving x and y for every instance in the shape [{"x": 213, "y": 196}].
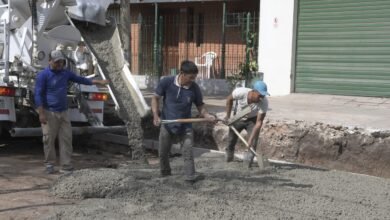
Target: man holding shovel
[
  {"x": 178, "y": 92},
  {"x": 243, "y": 98}
]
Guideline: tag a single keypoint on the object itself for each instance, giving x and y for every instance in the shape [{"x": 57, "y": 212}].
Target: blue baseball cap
[{"x": 261, "y": 87}]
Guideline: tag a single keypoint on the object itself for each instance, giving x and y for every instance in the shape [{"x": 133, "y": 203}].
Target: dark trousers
[
  {"x": 248, "y": 125},
  {"x": 165, "y": 144}
]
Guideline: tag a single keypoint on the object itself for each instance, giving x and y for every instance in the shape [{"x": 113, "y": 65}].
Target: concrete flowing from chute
[{"x": 104, "y": 42}]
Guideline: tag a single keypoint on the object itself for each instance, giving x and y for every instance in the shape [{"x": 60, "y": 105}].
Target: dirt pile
[
  {"x": 136, "y": 191},
  {"x": 333, "y": 147},
  {"x": 316, "y": 144}
]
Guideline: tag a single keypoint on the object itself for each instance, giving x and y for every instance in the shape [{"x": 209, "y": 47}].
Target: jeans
[{"x": 165, "y": 144}]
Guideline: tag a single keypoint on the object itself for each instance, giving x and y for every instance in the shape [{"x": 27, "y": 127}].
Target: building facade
[
  {"x": 211, "y": 33},
  {"x": 339, "y": 47}
]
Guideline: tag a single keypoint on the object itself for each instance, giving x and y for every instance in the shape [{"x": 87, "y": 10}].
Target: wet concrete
[
  {"x": 104, "y": 43},
  {"x": 135, "y": 191},
  {"x": 229, "y": 191}
]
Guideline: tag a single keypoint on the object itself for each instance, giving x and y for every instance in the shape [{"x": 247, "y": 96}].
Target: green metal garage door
[{"x": 343, "y": 47}]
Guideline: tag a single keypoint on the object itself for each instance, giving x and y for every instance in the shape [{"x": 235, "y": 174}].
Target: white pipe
[{"x": 36, "y": 132}]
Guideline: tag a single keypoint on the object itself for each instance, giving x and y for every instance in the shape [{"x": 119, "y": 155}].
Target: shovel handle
[
  {"x": 243, "y": 140},
  {"x": 260, "y": 160},
  {"x": 185, "y": 120}
]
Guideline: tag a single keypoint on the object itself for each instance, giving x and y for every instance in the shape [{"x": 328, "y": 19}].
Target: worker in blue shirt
[
  {"x": 50, "y": 100},
  {"x": 178, "y": 93}
]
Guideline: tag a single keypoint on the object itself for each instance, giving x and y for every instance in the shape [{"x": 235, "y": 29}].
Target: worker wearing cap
[
  {"x": 51, "y": 103},
  {"x": 253, "y": 121}
]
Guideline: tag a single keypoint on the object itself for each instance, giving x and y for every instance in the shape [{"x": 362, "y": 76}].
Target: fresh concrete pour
[
  {"x": 135, "y": 191},
  {"x": 104, "y": 43}
]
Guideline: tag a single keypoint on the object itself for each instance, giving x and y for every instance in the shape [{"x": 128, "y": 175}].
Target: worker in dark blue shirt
[
  {"x": 179, "y": 93},
  {"x": 51, "y": 102}
]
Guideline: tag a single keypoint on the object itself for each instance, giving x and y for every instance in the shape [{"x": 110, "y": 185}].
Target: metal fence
[{"x": 159, "y": 45}]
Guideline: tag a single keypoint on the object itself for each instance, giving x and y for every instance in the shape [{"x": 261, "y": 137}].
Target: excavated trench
[
  {"x": 315, "y": 144},
  {"x": 134, "y": 190}
]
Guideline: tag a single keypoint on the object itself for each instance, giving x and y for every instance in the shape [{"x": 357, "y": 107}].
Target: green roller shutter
[{"x": 343, "y": 47}]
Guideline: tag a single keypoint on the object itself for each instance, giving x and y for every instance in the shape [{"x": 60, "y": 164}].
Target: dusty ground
[
  {"x": 24, "y": 185},
  {"x": 135, "y": 191}
]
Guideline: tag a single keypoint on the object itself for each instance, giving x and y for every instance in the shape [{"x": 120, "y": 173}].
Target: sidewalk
[{"x": 349, "y": 111}]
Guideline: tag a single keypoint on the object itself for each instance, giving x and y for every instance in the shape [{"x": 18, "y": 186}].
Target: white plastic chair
[{"x": 208, "y": 59}]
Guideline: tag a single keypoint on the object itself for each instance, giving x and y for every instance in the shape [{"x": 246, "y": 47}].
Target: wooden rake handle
[
  {"x": 185, "y": 120},
  {"x": 243, "y": 140},
  {"x": 260, "y": 160}
]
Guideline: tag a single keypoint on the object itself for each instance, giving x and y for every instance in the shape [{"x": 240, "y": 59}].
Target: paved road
[{"x": 349, "y": 111}]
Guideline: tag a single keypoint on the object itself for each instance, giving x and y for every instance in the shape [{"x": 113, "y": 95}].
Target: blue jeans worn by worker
[{"x": 187, "y": 142}]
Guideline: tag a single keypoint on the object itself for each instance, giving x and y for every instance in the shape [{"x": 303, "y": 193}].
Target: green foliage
[
  {"x": 250, "y": 66},
  {"x": 233, "y": 79},
  {"x": 247, "y": 68}
]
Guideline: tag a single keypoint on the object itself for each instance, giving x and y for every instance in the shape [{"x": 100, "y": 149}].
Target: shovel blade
[
  {"x": 240, "y": 115},
  {"x": 262, "y": 161}
]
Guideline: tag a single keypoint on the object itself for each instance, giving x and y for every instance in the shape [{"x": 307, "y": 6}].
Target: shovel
[
  {"x": 185, "y": 120},
  {"x": 260, "y": 160}
]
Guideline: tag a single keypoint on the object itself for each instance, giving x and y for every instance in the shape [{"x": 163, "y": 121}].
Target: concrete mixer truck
[{"x": 29, "y": 30}]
